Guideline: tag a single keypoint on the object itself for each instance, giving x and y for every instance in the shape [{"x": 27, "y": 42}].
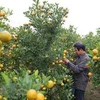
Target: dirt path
[{"x": 92, "y": 93}]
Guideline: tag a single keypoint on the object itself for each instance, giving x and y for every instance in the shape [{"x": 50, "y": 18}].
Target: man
[{"x": 80, "y": 70}]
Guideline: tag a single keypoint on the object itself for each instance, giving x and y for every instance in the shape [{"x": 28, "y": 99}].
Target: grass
[{"x": 92, "y": 93}]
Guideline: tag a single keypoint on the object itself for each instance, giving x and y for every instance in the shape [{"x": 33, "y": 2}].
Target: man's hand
[
  {"x": 87, "y": 66},
  {"x": 65, "y": 61}
]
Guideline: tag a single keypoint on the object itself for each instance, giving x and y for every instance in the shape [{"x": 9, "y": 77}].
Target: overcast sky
[{"x": 83, "y": 14}]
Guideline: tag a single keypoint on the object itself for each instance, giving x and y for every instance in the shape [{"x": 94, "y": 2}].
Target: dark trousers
[{"x": 79, "y": 94}]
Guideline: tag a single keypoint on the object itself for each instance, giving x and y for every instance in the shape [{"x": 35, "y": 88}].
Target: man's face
[{"x": 77, "y": 52}]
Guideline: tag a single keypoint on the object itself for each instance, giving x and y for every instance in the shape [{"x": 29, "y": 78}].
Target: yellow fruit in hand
[
  {"x": 31, "y": 94},
  {"x": 40, "y": 96},
  {"x": 5, "y": 36},
  {"x": 95, "y": 51},
  {"x": 60, "y": 61},
  {"x": 50, "y": 84},
  {"x": 64, "y": 57}
]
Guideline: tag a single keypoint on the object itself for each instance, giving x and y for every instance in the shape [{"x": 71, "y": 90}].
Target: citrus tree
[
  {"x": 92, "y": 42},
  {"x": 30, "y": 47}
]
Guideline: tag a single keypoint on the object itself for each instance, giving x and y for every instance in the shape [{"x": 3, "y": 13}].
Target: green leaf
[
  {"x": 6, "y": 78},
  {"x": 36, "y": 73}
]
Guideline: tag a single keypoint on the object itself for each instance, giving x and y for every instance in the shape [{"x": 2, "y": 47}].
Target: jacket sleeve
[{"x": 79, "y": 67}]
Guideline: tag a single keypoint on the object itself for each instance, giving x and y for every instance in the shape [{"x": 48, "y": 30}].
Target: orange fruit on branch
[
  {"x": 31, "y": 94},
  {"x": 95, "y": 51},
  {"x": 2, "y": 14},
  {"x": 95, "y": 58},
  {"x": 40, "y": 96},
  {"x": 5, "y": 36},
  {"x": 50, "y": 84}
]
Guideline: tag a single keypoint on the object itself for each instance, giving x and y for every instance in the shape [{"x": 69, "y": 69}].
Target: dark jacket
[{"x": 80, "y": 72}]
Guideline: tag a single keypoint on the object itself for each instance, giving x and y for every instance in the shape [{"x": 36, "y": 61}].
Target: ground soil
[{"x": 92, "y": 93}]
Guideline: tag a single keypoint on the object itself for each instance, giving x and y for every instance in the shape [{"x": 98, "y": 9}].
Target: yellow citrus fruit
[
  {"x": 55, "y": 49},
  {"x": 29, "y": 71},
  {"x": 95, "y": 58},
  {"x": 31, "y": 94},
  {"x": 68, "y": 80},
  {"x": 53, "y": 63},
  {"x": 90, "y": 74},
  {"x": 25, "y": 30},
  {"x": 1, "y": 65},
  {"x": 44, "y": 88},
  {"x": 2, "y": 13},
  {"x": 57, "y": 58},
  {"x": 1, "y": 97},
  {"x": 64, "y": 54},
  {"x": 50, "y": 84},
  {"x": 41, "y": 85},
  {"x": 60, "y": 61},
  {"x": 14, "y": 79},
  {"x": 14, "y": 46},
  {"x": 95, "y": 51},
  {"x": 5, "y": 36},
  {"x": 40, "y": 96},
  {"x": 4, "y": 98},
  {"x": 64, "y": 57},
  {"x": 62, "y": 84},
  {"x": 65, "y": 51}
]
